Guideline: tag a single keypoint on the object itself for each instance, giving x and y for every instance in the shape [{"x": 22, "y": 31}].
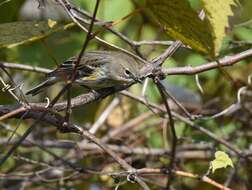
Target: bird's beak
[{"x": 138, "y": 80}]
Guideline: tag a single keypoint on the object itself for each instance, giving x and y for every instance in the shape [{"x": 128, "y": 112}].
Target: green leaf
[
  {"x": 9, "y": 10},
  {"x": 17, "y": 33},
  {"x": 218, "y": 12},
  {"x": 243, "y": 33},
  {"x": 222, "y": 160},
  {"x": 114, "y": 9},
  {"x": 109, "y": 10},
  {"x": 181, "y": 22}
]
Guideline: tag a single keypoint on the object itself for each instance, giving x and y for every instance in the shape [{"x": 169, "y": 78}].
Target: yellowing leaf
[
  {"x": 181, "y": 22},
  {"x": 51, "y": 23},
  {"x": 221, "y": 160},
  {"x": 217, "y": 12}
]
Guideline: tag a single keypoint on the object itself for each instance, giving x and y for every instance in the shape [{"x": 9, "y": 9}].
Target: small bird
[{"x": 96, "y": 70}]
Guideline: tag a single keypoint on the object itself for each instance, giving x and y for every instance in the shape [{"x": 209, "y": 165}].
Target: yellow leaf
[
  {"x": 51, "y": 23},
  {"x": 218, "y": 12},
  {"x": 181, "y": 22},
  {"x": 221, "y": 160}
]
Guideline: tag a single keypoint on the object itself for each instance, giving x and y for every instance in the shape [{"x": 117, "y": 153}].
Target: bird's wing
[{"x": 88, "y": 64}]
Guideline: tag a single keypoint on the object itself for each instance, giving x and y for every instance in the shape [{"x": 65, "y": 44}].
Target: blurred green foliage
[{"x": 9, "y": 10}]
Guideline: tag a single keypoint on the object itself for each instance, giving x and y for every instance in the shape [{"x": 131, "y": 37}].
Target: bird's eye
[{"x": 127, "y": 72}]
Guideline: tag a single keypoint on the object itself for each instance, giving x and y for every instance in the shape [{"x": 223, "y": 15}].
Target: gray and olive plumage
[{"x": 97, "y": 70}]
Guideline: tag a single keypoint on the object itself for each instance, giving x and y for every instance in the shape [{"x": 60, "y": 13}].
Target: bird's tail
[{"x": 40, "y": 87}]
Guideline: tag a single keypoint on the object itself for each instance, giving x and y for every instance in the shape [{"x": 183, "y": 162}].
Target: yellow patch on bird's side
[
  {"x": 91, "y": 77},
  {"x": 95, "y": 74}
]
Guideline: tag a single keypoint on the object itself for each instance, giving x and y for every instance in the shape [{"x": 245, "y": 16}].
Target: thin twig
[
  {"x": 156, "y": 171},
  {"x": 30, "y": 129},
  {"x": 186, "y": 70},
  {"x": 12, "y": 113},
  {"x": 189, "y": 122},
  {"x": 170, "y": 125},
  {"x": 122, "y": 162},
  {"x": 224, "y": 62},
  {"x": 78, "y": 60}
]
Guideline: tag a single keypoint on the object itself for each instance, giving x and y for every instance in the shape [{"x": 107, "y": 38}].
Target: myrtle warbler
[{"x": 96, "y": 70}]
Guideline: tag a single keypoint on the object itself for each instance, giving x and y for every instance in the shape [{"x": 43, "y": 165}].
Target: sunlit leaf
[
  {"x": 181, "y": 22},
  {"x": 222, "y": 160},
  {"x": 51, "y": 23},
  {"x": 218, "y": 12}
]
